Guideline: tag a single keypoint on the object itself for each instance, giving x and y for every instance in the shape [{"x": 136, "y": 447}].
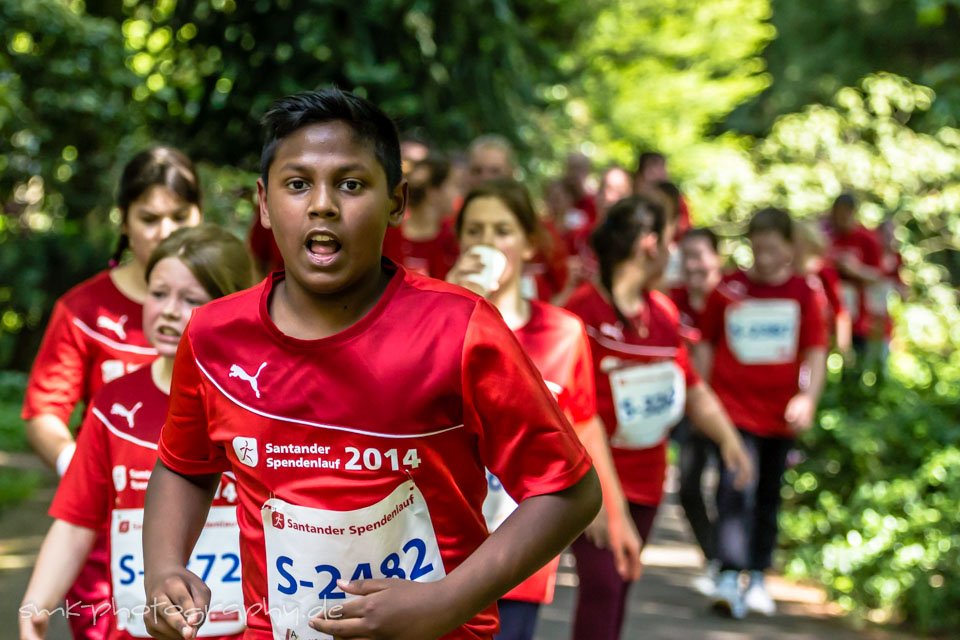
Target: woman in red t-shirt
[
  {"x": 95, "y": 336},
  {"x": 764, "y": 337},
  {"x": 645, "y": 384},
  {"x": 106, "y": 483},
  {"x": 498, "y": 224}
]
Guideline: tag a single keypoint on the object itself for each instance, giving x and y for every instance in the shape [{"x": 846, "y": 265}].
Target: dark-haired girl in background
[
  {"x": 95, "y": 335},
  {"x": 645, "y": 383}
]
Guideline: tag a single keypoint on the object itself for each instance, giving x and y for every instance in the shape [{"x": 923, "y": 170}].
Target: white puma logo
[
  {"x": 237, "y": 372},
  {"x": 113, "y": 325},
  {"x": 119, "y": 410}
]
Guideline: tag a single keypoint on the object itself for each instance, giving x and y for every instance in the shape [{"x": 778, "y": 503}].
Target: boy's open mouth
[{"x": 322, "y": 244}]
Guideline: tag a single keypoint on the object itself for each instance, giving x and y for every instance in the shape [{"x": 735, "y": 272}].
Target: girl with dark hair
[
  {"x": 95, "y": 334},
  {"x": 764, "y": 344},
  {"x": 423, "y": 242},
  {"x": 645, "y": 383},
  {"x": 117, "y": 449},
  {"x": 498, "y": 219}
]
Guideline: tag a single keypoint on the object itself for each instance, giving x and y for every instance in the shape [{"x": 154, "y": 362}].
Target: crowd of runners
[{"x": 416, "y": 385}]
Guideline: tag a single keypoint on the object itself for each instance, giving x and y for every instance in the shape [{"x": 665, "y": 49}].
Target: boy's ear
[
  {"x": 398, "y": 204},
  {"x": 262, "y": 203}
]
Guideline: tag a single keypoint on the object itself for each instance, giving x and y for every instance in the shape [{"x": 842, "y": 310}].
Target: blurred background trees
[{"x": 755, "y": 101}]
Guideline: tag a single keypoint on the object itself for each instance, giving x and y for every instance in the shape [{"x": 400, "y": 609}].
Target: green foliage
[
  {"x": 874, "y": 510},
  {"x": 15, "y": 485},
  {"x": 823, "y": 45},
  {"x": 660, "y": 75},
  {"x": 209, "y": 69}
]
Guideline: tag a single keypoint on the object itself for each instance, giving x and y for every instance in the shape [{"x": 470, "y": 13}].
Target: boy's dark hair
[
  {"x": 703, "y": 233},
  {"x": 368, "y": 121},
  {"x": 772, "y": 219},
  {"x": 649, "y": 157}
]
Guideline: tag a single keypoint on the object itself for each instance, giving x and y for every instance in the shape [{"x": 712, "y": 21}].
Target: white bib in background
[
  {"x": 309, "y": 549},
  {"x": 649, "y": 400},
  {"x": 764, "y": 331},
  {"x": 216, "y": 559}
]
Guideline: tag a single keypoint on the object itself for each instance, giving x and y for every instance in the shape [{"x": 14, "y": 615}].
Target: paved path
[{"x": 662, "y": 604}]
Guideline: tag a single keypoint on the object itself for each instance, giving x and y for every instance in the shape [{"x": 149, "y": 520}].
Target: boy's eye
[
  {"x": 297, "y": 184},
  {"x": 351, "y": 185}
]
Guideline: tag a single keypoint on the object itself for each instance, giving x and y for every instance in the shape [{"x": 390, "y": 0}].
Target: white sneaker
[
  {"x": 727, "y": 598},
  {"x": 757, "y": 599},
  {"x": 706, "y": 583}
]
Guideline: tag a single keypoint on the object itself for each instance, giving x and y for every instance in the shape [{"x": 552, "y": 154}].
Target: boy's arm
[
  {"x": 175, "y": 512},
  {"x": 537, "y": 531},
  {"x": 62, "y": 555}
]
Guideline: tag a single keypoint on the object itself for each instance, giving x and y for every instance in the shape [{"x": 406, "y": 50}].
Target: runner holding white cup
[{"x": 480, "y": 269}]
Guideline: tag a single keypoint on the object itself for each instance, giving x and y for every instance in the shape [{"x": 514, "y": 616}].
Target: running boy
[{"x": 357, "y": 405}]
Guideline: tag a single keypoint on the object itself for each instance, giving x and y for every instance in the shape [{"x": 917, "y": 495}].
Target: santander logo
[{"x": 246, "y": 450}]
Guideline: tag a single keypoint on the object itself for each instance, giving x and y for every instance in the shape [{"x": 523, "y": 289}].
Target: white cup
[{"x": 494, "y": 264}]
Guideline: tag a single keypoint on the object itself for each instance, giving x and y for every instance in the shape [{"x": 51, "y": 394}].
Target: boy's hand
[
  {"x": 800, "y": 411},
  {"x": 389, "y": 608},
  {"x": 178, "y": 604}
]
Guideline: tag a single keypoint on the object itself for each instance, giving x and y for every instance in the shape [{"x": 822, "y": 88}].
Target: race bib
[
  {"x": 216, "y": 559},
  {"x": 498, "y": 505},
  {"x": 309, "y": 549},
  {"x": 764, "y": 331},
  {"x": 851, "y": 299},
  {"x": 649, "y": 400}
]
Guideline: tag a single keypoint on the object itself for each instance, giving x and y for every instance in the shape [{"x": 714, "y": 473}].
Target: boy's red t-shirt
[
  {"x": 556, "y": 342},
  {"x": 864, "y": 246},
  {"x": 95, "y": 335},
  {"x": 434, "y": 257},
  {"x": 759, "y": 333},
  {"x": 646, "y": 361},
  {"x": 107, "y": 479},
  {"x": 362, "y": 454}
]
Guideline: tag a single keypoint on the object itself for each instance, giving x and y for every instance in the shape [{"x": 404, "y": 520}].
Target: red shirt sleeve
[
  {"x": 872, "y": 252},
  {"x": 813, "y": 326},
  {"x": 582, "y": 385},
  {"x": 185, "y": 445},
  {"x": 516, "y": 417},
  {"x": 58, "y": 377},
  {"x": 84, "y": 495}
]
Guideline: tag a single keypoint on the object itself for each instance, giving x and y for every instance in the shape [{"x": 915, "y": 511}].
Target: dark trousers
[
  {"x": 602, "y": 594},
  {"x": 747, "y": 519},
  {"x": 518, "y": 619},
  {"x": 696, "y": 452}
]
